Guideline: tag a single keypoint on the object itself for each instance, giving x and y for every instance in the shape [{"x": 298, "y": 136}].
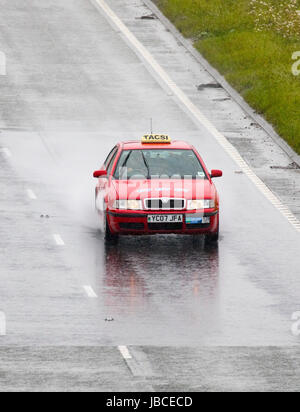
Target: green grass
[{"x": 253, "y": 53}]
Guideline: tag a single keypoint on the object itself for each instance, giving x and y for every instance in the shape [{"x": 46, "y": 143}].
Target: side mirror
[
  {"x": 216, "y": 173},
  {"x": 100, "y": 173}
]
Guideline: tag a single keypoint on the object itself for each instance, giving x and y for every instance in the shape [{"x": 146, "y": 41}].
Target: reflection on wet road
[
  {"x": 164, "y": 268},
  {"x": 166, "y": 283},
  {"x": 169, "y": 290}
]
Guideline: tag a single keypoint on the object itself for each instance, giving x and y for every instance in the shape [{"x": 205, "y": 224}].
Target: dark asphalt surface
[{"x": 74, "y": 88}]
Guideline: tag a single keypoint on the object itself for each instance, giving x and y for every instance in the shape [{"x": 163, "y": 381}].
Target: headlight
[
  {"x": 200, "y": 204},
  {"x": 128, "y": 204}
]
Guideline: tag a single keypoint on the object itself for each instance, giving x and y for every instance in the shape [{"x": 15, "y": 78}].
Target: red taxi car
[{"x": 157, "y": 186}]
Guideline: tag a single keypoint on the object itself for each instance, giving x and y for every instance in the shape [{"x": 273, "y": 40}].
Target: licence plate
[{"x": 165, "y": 218}]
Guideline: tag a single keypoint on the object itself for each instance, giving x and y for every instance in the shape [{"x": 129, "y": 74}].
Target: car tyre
[
  {"x": 108, "y": 236},
  {"x": 213, "y": 237}
]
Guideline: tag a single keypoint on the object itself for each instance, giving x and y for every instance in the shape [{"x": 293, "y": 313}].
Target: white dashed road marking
[
  {"x": 125, "y": 352},
  {"x": 58, "y": 240},
  {"x": 31, "y": 194},
  {"x": 193, "y": 109},
  {"x": 90, "y": 292}
]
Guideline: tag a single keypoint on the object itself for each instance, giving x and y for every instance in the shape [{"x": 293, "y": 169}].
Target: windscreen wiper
[{"x": 126, "y": 159}]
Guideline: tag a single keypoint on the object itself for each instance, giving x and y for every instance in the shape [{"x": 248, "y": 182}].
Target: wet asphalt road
[{"x": 73, "y": 89}]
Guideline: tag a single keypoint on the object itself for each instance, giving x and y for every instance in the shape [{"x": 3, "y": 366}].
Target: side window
[
  {"x": 111, "y": 153},
  {"x": 112, "y": 161}
]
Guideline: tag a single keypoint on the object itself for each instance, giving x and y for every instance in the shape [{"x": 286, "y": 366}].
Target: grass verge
[{"x": 251, "y": 42}]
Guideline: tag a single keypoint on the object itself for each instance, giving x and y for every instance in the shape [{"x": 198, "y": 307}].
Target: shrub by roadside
[{"x": 251, "y": 42}]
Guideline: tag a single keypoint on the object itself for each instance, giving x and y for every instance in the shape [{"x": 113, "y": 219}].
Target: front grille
[
  {"x": 165, "y": 204},
  {"x": 132, "y": 226},
  {"x": 198, "y": 226},
  {"x": 165, "y": 226}
]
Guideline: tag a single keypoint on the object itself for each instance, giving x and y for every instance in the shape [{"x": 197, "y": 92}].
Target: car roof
[{"x": 136, "y": 144}]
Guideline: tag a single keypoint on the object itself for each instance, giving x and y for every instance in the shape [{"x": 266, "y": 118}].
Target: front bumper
[{"x": 136, "y": 223}]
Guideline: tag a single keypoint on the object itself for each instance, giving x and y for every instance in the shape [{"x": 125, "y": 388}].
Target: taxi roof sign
[{"x": 156, "y": 139}]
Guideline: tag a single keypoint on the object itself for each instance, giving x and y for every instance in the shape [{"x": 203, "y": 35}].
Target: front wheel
[
  {"x": 213, "y": 237},
  {"x": 108, "y": 236}
]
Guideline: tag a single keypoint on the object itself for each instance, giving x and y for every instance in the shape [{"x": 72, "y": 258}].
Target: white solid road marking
[
  {"x": 58, "y": 240},
  {"x": 90, "y": 292},
  {"x": 196, "y": 113},
  {"x": 5, "y": 151},
  {"x": 125, "y": 352},
  {"x": 2, "y": 324},
  {"x": 31, "y": 194}
]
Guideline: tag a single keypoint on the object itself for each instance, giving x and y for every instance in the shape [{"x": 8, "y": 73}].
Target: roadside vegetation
[{"x": 251, "y": 42}]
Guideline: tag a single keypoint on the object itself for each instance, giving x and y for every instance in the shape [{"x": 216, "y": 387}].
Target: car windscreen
[{"x": 159, "y": 164}]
